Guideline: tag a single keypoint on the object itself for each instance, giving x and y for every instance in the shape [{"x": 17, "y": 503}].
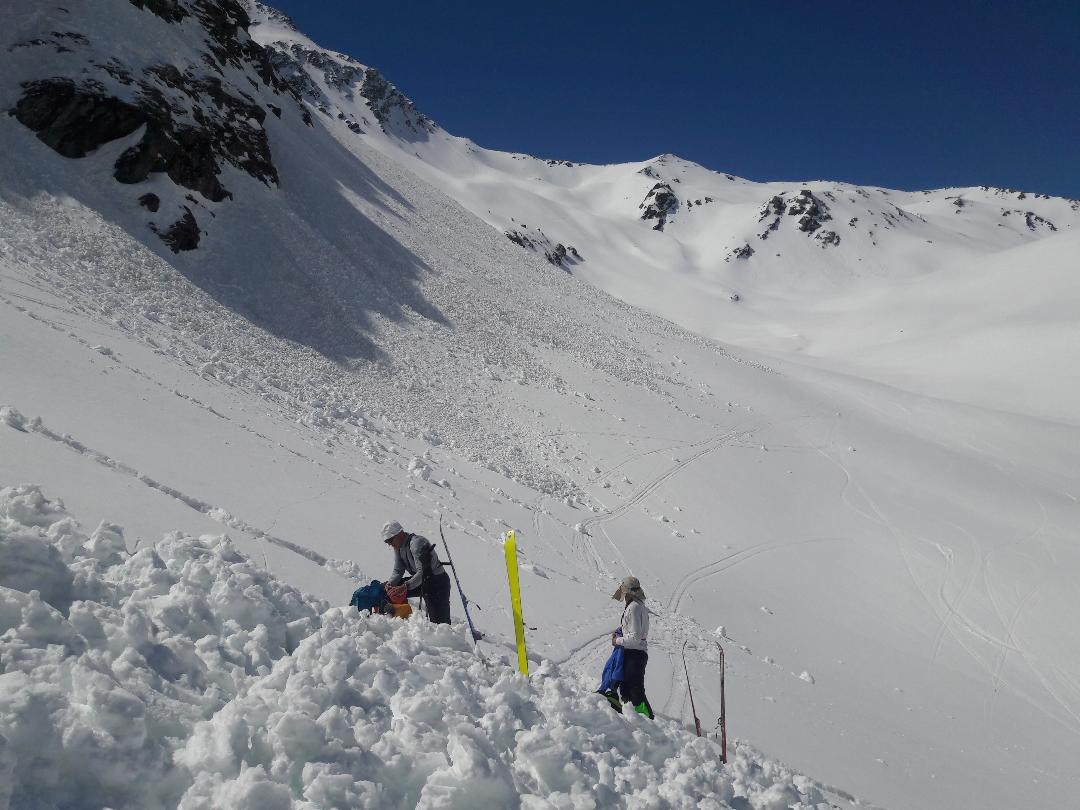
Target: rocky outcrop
[
  {"x": 151, "y": 202},
  {"x": 181, "y": 235},
  {"x": 558, "y": 254},
  {"x": 659, "y": 204},
  {"x": 394, "y": 112},
  {"x": 192, "y": 115},
  {"x": 384, "y": 100},
  {"x": 1034, "y": 221},
  {"x": 74, "y": 121},
  {"x": 809, "y": 211},
  {"x": 742, "y": 252}
]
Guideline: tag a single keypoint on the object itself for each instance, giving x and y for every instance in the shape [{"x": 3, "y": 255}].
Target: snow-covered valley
[{"x": 865, "y": 470}]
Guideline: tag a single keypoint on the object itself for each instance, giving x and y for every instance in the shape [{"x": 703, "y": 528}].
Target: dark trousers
[
  {"x": 632, "y": 688},
  {"x": 435, "y": 591}
]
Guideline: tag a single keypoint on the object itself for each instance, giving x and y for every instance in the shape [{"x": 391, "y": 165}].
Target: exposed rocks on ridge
[
  {"x": 659, "y": 204},
  {"x": 193, "y": 120}
]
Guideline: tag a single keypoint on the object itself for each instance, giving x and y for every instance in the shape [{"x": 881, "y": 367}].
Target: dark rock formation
[
  {"x": 811, "y": 211},
  {"x": 521, "y": 239},
  {"x": 74, "y": 122},
  {"x": 1032, "y": 219},
  {"x": 557, "y": 255},
  {"x": 776, "y": 206},
  {"x": 194, "y": 116},
  {"x": 560, "y": 255},
  {"x": 743, "y": 252},
  {"x": 151, "y": 202},
  {"x": 659, "y": 204},
  {"x": 393, "y": 110},
  {"x": 169, "y": 10},
  {"x": 183, "y": 234}
]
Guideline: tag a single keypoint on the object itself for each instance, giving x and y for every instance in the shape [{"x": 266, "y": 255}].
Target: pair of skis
[{"x": 722, "y": 720}]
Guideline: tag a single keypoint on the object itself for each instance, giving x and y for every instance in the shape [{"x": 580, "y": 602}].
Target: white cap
[{"x": 391, "y": 529}]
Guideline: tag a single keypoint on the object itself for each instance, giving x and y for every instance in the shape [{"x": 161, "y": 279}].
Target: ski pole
[
  {"x": 722, "y": 720},
  {"x": 693, "y": 708},
  {"x": 476, "y": 636}
]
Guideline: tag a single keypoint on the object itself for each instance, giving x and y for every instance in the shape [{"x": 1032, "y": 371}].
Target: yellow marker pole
[{"x": 510, "y": 546}]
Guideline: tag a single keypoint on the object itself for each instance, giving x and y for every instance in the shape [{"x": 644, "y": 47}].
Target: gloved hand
[{"x": 397, "y": 593}]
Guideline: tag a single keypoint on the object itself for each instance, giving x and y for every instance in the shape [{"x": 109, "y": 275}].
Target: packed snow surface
[{"x": 184, "y": 675}]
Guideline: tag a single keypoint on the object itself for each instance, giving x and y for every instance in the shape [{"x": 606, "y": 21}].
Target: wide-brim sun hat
[
  {"x": 390, "y": 531},
  {"x": 629, "y": 585}
]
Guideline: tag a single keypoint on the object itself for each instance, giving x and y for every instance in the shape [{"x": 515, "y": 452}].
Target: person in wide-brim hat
[{"x": 633, "y": 637}]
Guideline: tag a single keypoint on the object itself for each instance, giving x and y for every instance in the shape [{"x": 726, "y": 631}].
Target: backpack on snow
[{"x": 371, "y": 597}]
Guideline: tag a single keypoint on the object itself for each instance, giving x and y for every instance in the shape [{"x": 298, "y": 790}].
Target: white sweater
[{"x": 635, "y": 627}]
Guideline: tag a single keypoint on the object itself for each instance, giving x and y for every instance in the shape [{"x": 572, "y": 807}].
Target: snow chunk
[
  {"x": 12, "y": 418},
  {"x": 419, "y": 468}
]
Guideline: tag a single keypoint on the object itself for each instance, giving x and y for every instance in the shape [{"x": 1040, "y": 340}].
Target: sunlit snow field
[{"x": 865, "y": 488}]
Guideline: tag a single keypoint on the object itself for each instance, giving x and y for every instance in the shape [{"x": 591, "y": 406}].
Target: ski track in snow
[
  {"x": 217, "y": 513},
  {"x": 877, "y": 516}
]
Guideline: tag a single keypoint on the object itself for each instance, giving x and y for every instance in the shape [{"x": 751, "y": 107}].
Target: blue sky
[{"x": 898, "y": 94}]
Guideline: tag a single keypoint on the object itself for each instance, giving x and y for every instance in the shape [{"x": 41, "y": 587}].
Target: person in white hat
[
  {"x": 427, "y": 577},
  {"x": 635, "y": 643}
]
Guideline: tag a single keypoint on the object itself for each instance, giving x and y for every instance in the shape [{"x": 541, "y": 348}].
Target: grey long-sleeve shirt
[
  {"x": 635, "y": 627},
  {"x": 408, "y": 557}
]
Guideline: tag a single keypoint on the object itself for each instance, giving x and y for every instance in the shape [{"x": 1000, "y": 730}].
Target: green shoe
[{"x": 644, "y": 708}]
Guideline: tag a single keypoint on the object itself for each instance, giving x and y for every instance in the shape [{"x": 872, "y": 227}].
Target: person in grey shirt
[{"x": 415, "y": 555}]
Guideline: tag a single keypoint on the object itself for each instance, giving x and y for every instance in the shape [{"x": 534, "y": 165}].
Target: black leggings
[
  {"x": 632, "y": 688},
  {"x": 436, "y": 595}
]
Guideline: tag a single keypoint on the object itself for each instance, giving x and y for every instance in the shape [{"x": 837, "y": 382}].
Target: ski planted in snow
[
  {"x": 693, "y": 708},
  {"x": 510, "y": 549},
  {"x": 722, "y": 719}
]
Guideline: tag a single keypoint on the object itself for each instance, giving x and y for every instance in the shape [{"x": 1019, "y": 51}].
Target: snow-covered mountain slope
[
  {"x": 347, "y": 344},
  {"x": 799, "y": 266},
  {"x": 183, "y": 675}
]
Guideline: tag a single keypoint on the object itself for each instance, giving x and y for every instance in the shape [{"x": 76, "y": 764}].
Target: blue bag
[
  {"x": 370, "y": 597},
  {"x": 613, "y": 671}
]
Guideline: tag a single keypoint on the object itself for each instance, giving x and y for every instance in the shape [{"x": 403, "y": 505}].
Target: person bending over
[{"x": 427, "y": 577}]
